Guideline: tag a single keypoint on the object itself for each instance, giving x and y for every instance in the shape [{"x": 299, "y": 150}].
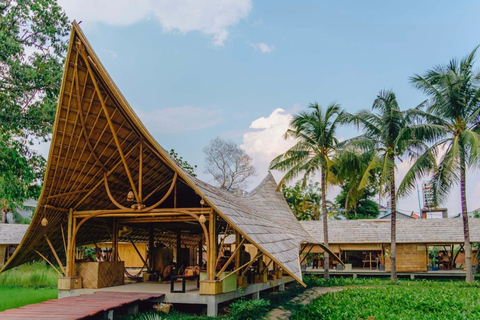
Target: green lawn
[
  {"x": 15, "y": 297},
  {"x": 402, "y": 300},
  {"x": 27, "y": 284}
]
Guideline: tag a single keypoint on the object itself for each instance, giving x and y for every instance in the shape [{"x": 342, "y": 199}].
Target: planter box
[
  {"x": 260, "y": 278},
  {"x": 101, "y": 274},
  {"x": 69, "y": 283}
]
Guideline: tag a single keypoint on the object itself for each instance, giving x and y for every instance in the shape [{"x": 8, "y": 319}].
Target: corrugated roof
[
  {"x": 12, "y": 233},
  {"x": 408, "y": 231},
  {"x": 85, "y": 157}
]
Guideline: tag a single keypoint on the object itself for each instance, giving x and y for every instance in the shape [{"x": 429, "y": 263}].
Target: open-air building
[
  {"x": 108, "y": 181},
  {"x": 365, "y": 244}
]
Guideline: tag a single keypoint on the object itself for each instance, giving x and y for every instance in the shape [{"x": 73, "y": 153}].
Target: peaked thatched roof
[
  {"x": 12, "y": 233},
  {"x": 98, "y": 144},
  {"x": 434, "y": 231}
]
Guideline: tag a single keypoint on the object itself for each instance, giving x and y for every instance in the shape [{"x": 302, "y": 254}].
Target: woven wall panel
[{"x": 101, "y": 274}]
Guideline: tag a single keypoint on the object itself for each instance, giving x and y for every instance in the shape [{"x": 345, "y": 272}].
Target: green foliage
[
  {"x": 16, "y": 297},
  {"x": 395, "y": 302},
  {"x": 362, "y": 208},
  {"x": 35, "y": 275},
  {"x": 248, "y": 309},
  {"x": 304, "y": 201},
  {"x": 184, "y": 163},
  {"x": 32, "y": 46}
]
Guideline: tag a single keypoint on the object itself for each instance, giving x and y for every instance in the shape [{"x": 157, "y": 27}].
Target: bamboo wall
[
  {"x": 3, "y": 254},
  {"x": 410, "y": 258}
]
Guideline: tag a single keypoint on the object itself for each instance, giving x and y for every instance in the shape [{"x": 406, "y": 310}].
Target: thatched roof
[
  {"x": 97, "y": 146},
  {"x": 12, "y": 233},
  {"x": 433, "y": 231}
]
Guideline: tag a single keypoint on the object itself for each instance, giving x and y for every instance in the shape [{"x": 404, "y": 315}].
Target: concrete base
[{"x": 192, "y": 294}]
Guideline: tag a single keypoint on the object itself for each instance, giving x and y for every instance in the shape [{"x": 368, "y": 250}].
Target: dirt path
[{"x": 281, "y": 313}]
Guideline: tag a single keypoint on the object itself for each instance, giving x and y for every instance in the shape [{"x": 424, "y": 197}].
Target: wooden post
[
  {"x": 68, "y": 254},
  {"x": 212, "y": 250},
  {"x": 238, "y": 254},
  {"x": 200, "y": 252},
  {"x": 151, "y": 245},
  {"x": 179, "y": 244},
  {"x": 72, "y": 248},
  {"x": 115, "y": 240}
]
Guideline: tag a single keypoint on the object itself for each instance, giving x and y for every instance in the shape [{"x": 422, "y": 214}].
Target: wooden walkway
[{"x": 80, "y": 307}]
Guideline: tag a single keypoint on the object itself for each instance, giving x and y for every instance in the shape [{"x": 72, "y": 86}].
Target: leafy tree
[
  {"x": 32, "y": 48},
  {"x": 184, "y": 163},
  {"x": 453, "y": 115},
  {"x": 313, "y": 151},
  {"x": 305, "y": 201},
  {"x": 350, "y": 167},
  {"x": 229, "y": 165},
  {"x": 362, "y": 208},
  {"x": 388, "y": 135}
]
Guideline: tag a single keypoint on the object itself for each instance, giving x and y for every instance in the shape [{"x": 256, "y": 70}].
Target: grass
[
  {"x": 383, "y": 299},
  {"x": 15, "y": 297},
  {"x": 30, "y": 275},
  {"x": 27, "y": 284}
]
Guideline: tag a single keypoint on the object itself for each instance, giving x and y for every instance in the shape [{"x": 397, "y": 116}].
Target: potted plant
[{"x": 434, "y": 264}]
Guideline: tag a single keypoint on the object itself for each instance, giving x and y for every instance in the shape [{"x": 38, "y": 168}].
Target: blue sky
[{"x": 195, "y": 70}]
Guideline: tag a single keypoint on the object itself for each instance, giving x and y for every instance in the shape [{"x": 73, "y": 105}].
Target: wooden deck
[{"x": 80, "y": 307}]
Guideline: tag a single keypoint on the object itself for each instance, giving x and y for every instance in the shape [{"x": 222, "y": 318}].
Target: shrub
[{"x": 248, "y": 309}]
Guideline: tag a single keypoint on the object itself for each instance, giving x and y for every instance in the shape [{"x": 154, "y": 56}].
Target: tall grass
[{"x": 30, "y": 275}]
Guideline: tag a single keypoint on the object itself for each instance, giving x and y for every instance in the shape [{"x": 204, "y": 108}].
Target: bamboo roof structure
[
  {"x": 409, "y": 231},
  {"x": 12, "y": 233},
  {"x": 101, "y": 154}
]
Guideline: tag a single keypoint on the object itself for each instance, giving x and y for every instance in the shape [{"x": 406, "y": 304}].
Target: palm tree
[
  {"x": 386, "y": 132},
  {"x": 349, "y": 168},
  {"x": 453, "y": 112},
  {"x": 316, "y": 144}
]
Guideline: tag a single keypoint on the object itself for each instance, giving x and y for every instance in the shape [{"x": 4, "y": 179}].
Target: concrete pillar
[
  {"x": 132, "y": 309},
  {"x": 412, "y": 277},
  {"x": 212, "y": 309},
  {"x": 256, "y": 295},
  {"x": 354, "y": 276},
  {"x": 281, "y": 287},
  {"x": 108, "y": 315}
]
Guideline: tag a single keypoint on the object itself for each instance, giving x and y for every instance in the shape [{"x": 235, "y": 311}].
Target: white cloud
[
  {"x": 180, "y": 119},
  {"x": 266, "y": 141},
  {"x": 211, "y": 17},
  {"x": 262, "y": 47}
]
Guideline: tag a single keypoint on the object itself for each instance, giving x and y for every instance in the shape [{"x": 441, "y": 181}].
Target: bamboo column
[
  {"x": 179, "y": 244},
  {"x": 68, "y": 254},
  {"x": 238, "y": 254},
  {"x": 212, "y": 250},
  {"x": 200, "y": 251},
  {"x": 151, "y": 254}
]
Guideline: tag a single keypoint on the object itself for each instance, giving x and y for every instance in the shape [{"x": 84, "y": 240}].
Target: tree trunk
[
  {"x": 393, "y": 220},
  {"x": 466, "y": 229},
  {"x": 326, "y": 262}
]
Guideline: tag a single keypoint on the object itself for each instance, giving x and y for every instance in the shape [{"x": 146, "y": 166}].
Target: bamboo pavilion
[{"x": 108, "y": 180}]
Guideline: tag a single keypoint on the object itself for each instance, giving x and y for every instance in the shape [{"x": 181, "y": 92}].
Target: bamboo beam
[
  {"x": 107, "y": 188},
  {"x": 46, "y": 260},
  {"x": 63, "y": 237},
  {"x": 60, "y": 264},
  {"x": 174, "y": 180},
  {"x": 229, "y": 259},
  {"x": 245, "y": 265},
  {"x": 47, "y": 206},
  {"x": 160, "y": 186},
  {"x": 115, "y": 254},
  {"x": 110, "y": 124},
  {"x": 305, "y": 256},
  {"x": 249, "y": 264},
  {"x": 82, "y": 122},
  {"x": 138, "y": 252},
  {"x": 139, "y": 213},
  {"x": 66, "y": 194},
  {"x": 221, "y": 244},
  {"x": 140, "y": 173}
]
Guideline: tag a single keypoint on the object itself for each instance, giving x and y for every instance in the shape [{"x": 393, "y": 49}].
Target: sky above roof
[{"x": 239, "y": 69}]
